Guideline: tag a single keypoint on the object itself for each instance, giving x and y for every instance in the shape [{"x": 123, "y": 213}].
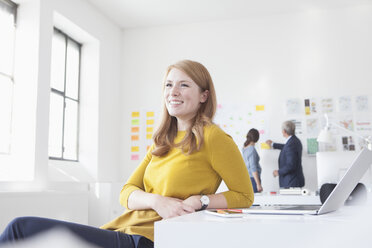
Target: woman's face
[{"x": 182, "y": 97}]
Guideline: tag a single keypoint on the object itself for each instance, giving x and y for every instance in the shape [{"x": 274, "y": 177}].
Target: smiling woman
[
  {"x": 190, "y": 104},
  {"x": 179, "y": 175},
  {"x": 182, "y": 97}
]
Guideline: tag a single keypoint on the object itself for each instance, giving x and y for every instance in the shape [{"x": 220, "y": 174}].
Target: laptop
[{"x": 335, "y": 199}]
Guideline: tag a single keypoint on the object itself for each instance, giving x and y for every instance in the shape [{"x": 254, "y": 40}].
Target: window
[
  {"x": 64, "y": 98},
  {"x": 7, "y": 34}
]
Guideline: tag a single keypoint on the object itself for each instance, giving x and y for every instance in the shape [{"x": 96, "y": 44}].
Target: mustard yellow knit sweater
[{"x": 179, "y": 175}]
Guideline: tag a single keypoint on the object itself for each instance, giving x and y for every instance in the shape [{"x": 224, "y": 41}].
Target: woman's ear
[{"x": 204, "y": 96}]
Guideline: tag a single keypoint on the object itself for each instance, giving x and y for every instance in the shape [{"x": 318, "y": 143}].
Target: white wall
[
  {"x": 68, "y": 206},
  {"x": 323, "y": 53},
  {"x": 26, "y": 172}
]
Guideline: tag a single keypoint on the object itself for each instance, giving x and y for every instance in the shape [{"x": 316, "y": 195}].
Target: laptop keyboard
[{"x": 304, "y": 207}]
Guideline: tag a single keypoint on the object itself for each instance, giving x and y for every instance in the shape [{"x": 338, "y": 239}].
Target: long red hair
[{"x": 167, "y": 130}]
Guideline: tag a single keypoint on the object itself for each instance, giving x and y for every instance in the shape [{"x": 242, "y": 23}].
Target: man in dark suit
[{"x": 290, "y": 167}]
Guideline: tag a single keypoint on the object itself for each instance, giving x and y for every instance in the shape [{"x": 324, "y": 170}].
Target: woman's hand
[
  {"x": 259, "y": 188},
  {"x": 168, "y": 207},
  {"x": 194, "y": 202}
]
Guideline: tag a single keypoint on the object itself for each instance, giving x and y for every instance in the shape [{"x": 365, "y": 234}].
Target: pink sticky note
[
  {"x": 134, "y": 157},
  {"x": 262, "y": 131}
]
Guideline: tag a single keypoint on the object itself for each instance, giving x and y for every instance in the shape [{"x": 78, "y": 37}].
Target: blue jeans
[
  {"x": 254, "y": 185},
  {"x": 24, "y": 227}
]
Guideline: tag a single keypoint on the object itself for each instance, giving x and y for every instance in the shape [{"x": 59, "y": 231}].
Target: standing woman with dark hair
[
  {"x": 252, "y": 159},
  {"x": 179, "y": 175}
]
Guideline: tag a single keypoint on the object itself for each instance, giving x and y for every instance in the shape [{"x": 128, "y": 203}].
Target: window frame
[
  {"x": 11, "y": 8},
  {"x": 68, "y": 38}
]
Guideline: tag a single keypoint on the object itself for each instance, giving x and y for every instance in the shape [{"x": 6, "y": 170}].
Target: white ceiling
[{"x": 148, "y": 13}]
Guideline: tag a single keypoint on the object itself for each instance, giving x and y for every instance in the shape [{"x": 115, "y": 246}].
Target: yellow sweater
[{"x": 180, "y": 176}]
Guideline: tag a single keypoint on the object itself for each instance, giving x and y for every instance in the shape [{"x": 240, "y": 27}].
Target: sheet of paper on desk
[{"x": 226, "y": 213}]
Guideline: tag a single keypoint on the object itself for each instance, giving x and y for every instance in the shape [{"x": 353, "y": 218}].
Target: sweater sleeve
[
  {"x": 228, "y": 162},
  {"x": 278, "y": 146},
  {"x": 135, "y": 181}
]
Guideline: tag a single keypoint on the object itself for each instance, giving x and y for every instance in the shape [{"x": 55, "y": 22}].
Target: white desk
[
  {"x": 267, "y": 199},
  {"x": 342, "y": 228}
]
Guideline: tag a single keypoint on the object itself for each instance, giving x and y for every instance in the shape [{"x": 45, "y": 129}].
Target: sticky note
[
  {"x": 134, "y": 137},
  {"x": 147, "y": 148},
  {"x": 149, "y": 136},
  {"x": 134, "y": 157},
  {"x": 260, "y": 107},
  {"x": 150, "y": 114},
  {"x": 150, "y": 122},
  {"x": 135, "y": 129},
  {"x": 149, "y": 129},
  {"x": 135, "y": 114},
  {"x": 265, "y": 146},
  {"x": 135, "y": 122},
  {"x": 135, "y": 149}
]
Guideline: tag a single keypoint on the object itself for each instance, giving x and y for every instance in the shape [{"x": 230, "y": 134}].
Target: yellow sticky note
[
  {"x": 135, "y": 122},
  {"x": 135, "y": 148},
  {"x": 150, "y": 122},
  {"x": 149, "y": 129},
  {"x": 135, "y": 114},
  {"x": 149, "y": 136},
  {"x": 307, "y": 110},
  {"x": 260, "y": 107},
  {"x": 150, "y": 114},
  {"x": 265, "y": 146}
]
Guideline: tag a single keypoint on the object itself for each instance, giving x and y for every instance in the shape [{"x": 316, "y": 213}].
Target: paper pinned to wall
[
  {"x": 348, "y": 143},
  {"x": 347, "y": 122},
  {"x": 312, "y": 146},
  {"x": 344, "y": 104},
  {"x": 312, "y": 127},
  {"x": 363, "y": 124},
  {"x": 293, "y": 107},
  {"x": 236, "y": 120},
  {"x": 298, "y": 124},
  {"x": 327, "y": 105},
  {"x": 311, "y": 106},
  {"x": 362, "y": 103}
]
